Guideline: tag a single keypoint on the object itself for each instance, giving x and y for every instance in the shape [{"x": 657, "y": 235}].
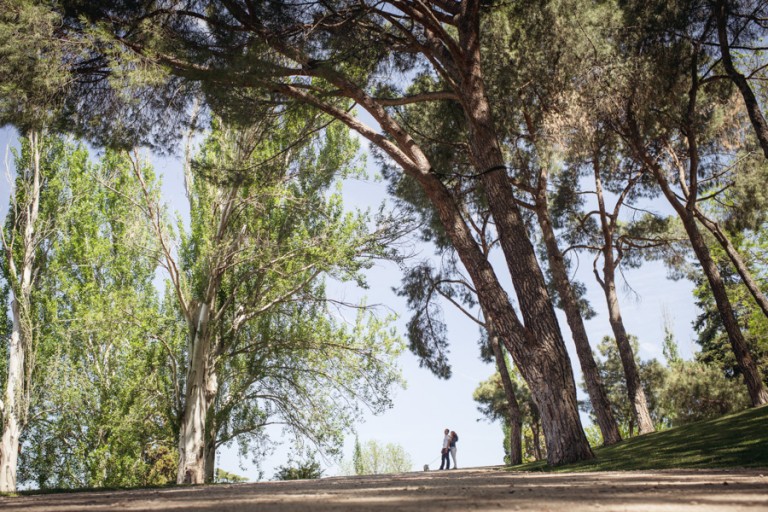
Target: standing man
[{"x": 446, "y": 460}]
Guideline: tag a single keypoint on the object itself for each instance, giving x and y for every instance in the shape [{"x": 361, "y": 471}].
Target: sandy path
[{"x": 480, "y": 489}]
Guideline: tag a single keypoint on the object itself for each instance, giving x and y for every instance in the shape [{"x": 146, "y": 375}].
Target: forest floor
[{"x": 478, "y": 489}]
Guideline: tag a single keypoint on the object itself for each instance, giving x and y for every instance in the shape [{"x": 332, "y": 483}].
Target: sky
[{"x": 429, "y": 405}]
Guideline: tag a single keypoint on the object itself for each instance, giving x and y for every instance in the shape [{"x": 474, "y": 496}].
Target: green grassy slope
[{"x": 736, "y": 440}]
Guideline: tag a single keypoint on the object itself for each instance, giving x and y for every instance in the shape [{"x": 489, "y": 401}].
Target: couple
[{"x": 449, "y": 446}]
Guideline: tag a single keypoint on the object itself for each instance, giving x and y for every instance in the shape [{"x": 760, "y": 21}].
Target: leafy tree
[
  {"x": 98, "y": 410},
  {"x": 25, "y": 237},
  {"x": 493, "y": 404},
  {"x": 287, "y": 63},
  {"x": 224, "y": 477},
  {"x": 308, "y": 469},
  {"x": 262, "y": 344},
  {"x": 696, "y": 391},
  {"x": 376, "y": 458}
]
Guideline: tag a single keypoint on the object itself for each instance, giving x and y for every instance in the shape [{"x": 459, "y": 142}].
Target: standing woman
[{"x": 452, "y": 445}]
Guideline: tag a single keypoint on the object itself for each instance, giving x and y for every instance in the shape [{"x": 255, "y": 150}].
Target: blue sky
[{"x": 429, "y": 405}]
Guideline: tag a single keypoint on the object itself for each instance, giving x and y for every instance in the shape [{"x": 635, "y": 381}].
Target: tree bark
[
  {"x": 548, "y": 368},
  {"x": 536, "y": 435},
  {"x": 595, "y": 388},
  {"x": 15, "y": 403},
  {"x": 210, "y": 450},
  {"x": 752, "y": 378},
  {"x": 635, "y": 391},
  {"x": 514, "y": 415},
  {"x": 9, "y": 447},
  {"x": 201, "y": 387},
  {"x": 750, "y": 101},
  {"x": 543, "y": 363},
  {"x": 736, "y": 259}
]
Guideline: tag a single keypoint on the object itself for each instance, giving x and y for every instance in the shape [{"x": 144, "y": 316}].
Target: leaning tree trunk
[
  {"x": 750, "y": 101},
  {"x": 752, "y": 378},
  {"x": 541, "y": 358},
  {"x": 15, "y": 404},
  {"x": 635, "y": 391},
  {"x": 547, "y": 369},
  {"x": 595, "y": 388},
  {"x": 738, "y": 262},
  {"x": 749, "y": 370},
  {"x": 514, "y": 415},
  {"x": 201, "y": 388},
  {"x": 634, "y": 386}
]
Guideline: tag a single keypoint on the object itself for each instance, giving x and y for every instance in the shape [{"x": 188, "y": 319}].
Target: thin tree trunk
[
  {"x": 752, "y": 378},
  {"x": 635, "y": 391},
  {"x": 535, "y": 433},
  {"x": 514, "y": 415},
  {"x": 750, "y": 101},
  {"x": 15, "y": 405},
  {"x": 595, "y": 388},
  {"x": 14, "y": 401},
  {"x": 736, "y": 259}
]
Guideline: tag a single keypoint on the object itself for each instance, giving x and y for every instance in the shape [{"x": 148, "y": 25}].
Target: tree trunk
[
  {"x": 750, "y": 101},
  {"x": 544, "y": 364},
  {"x": 536, "y": 440},
  {"x": 200, "y": 391},
  {"x": 634, "y": 386},
  {"x": 13, "y": 402},
  {"x": 15, "y": 405},
  {"x": 736, "y": 259},
  {"x": 210, "y": 453},
  {"x": 752, "y": 378},
  {"x": 514, "y": 414},
  {"x": 595, "y": 388},
  {"x": 635, "y": 391}
]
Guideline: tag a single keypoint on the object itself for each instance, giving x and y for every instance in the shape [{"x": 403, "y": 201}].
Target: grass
[{"x": 735, "y": 440}]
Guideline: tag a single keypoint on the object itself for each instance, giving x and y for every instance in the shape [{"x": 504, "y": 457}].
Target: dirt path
[{"x": 480, "y": 489}]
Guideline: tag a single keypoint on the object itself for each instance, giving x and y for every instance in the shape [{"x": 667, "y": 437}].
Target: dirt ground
[{"x": 477, "y": 489}]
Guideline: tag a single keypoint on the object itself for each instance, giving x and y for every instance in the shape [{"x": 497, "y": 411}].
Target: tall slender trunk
[
  {"x": 752, "y": 378},
  {"x": 12, "y": 410},
  {"x": 201, "y": 387},
  {"x": 547, "y": 369},
  {"x": 635, "y": 391},
  {"x": 595, "y": 388},
  {"x": 15, "y": 404},
  {"x": 514, "y": 415},
  {"x": 738, "y": 262},
  {"x": 543, "y": 363}
]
